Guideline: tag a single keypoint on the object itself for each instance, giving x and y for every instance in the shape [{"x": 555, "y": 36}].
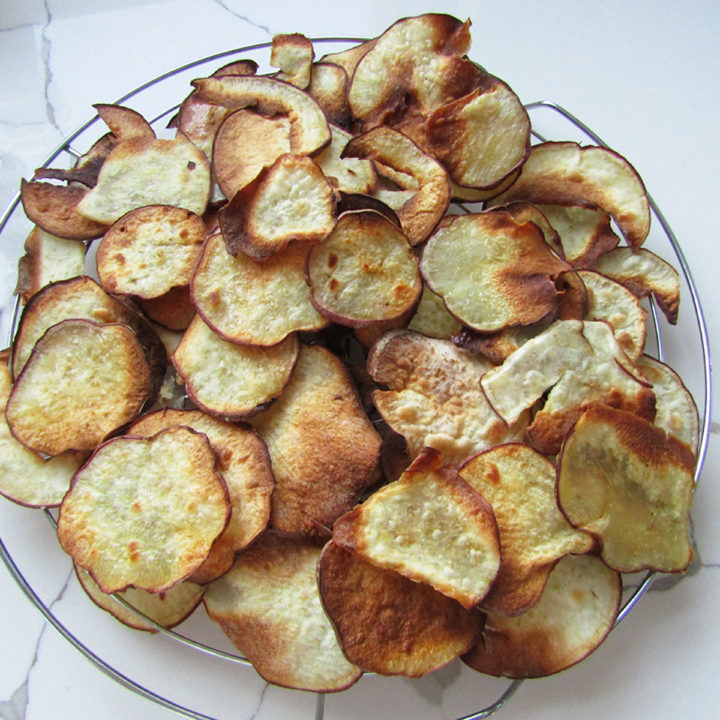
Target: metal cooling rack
[{"x": 179, "y": 77}]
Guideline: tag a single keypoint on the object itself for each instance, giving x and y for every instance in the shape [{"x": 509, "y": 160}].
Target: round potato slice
[
  {"x": 631, "y": 485},
  {"x": 231, "y": 380},
  {"x": 269, "y": 606},
  {"x": 519, "y": 484},
  {"x": 254, "y": 303},
  {"x": 491, "y": 271},
  {"x": 577, "y": 611},
  {"x": 388, "y": 624},
  {"x": 364, "y": 272},
  {"x": 168, "y": 608},
  {"x": 145, "y": 511},
  {"x": 82, "y": 382},
  {"x": 245, "y": 466},
  {"x": 150, "y": 250}
]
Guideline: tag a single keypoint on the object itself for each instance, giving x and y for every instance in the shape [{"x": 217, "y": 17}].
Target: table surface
[{"x": 643, "y": 74}]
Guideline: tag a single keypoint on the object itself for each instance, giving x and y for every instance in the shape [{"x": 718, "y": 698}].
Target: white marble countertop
[{"x": 643, "y": 74}]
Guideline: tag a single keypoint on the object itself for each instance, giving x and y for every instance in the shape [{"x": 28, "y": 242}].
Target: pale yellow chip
[
  {"x": 145, "y": 511},
  {"x": 430, "y": 526},
  {"x": 269, "y": 607},
  {"x": 145, "y": 171}
]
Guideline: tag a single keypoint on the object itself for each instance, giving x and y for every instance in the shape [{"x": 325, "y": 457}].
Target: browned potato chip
[
  {"x": 388, "y": 624},
  {"x": 364, "y": 272},
  {"x": 231, "y": 380},
  {"x": 347, "y": 174},
  {"x": 173, "y": 310},
  {"x": 631, "y": 485},
  {"x": 254, "y": 303},
  {"x": 430, "y": 526},
  {"x": 566, "y": 173},
  {"x": 54, "y": 208},
  {"x": 491, "y": 271},
  {"x": 168, "y": 608},
  {"x": 324, "y": 449},
  {"x": 269, "y": 607},
  {"x": 293, "y": 54},
  {"x": 574, "y": 616},
  {"x": 244, "y": 463},
  {"x": 123, "y": 122},
  {"x": 146, "y": 171},
  {"x": 290, "y": 200},
  {"x": 150, "y": 250},
  {"x": 81, "y": 382},
  {"x": 328, "y": 86},
  {"x": 519, "y": 484},
  {"x": 144, "y": 511},
  {"x": 524, "y": 211},
  {"x": 348, "y": 59}
]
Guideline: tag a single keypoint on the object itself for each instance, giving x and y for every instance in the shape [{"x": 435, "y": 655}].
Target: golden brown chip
[
  {"x": 519, "y": 484},
  {"x": 269, "y": 607},
  {"x": 150, "y": 250},
  {"x": 231, "y": 380},
  {"x": 430, "y": 526},
  {"x": 172, "y": 310},
  {"x": 293, "y": 54},
  {"x": 244, "y": 463},
  {"x": 574, "y": 616},
  {"x": 388, "y": 624},
  {"x": 364, "y": 272},
  {"x": 54, "y": 208},
  {"x": 254, "y": 303},
  {"x": 434, "y": 397},
  {"x": 328, "y": 86},
  {"x": 290, "y": 200},
  {"x": 145, "y": 511},
  {"x": 631, "y": 485},
  {"x": 168, "y": 608},
  {"x": 524, "y": 211},
  {"x": 432, "y": 317},
  {"x": 491, "y": 271},
  {"x": 81, "y": 382},
  {"x": 324, "y": 449},
  {"x": 558, "y": 173},
  {"x": 124, "y": 122}
]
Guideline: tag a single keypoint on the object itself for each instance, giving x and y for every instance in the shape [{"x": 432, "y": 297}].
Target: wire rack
[{"x": 156, "y": 99}]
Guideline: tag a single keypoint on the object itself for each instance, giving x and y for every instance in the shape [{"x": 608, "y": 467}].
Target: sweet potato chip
[
  {"x": 328, "y": 86},
  {"x": 347, "y": 174},
  {"x": 293, "y": 54},
  {"x": 388, "y": 624},
  {"x": 123, "y": 122},
  {"x": 269, "y": 606}
]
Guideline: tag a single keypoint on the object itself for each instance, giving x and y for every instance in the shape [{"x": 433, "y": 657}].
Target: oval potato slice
[
  {"x": 269, "y": 607},
  {"x": 577, "y": 611},
  {"x": 631, "y": 485},
  {"x": 388, "y": 624}
]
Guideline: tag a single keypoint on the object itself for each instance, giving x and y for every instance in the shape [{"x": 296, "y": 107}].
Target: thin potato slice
[
  {"x": 123, "y": 122},
  {"x": 566, "y": 173},
  {"x": 631, "y": 485},
  {"x": 432, "y": 317},
  {"x": 150, "y": 250},
  {"x": 348, "y": 59},
  {"x": 144, "y": 511},
  {"x": 481, "y": 138},
  {"x": 269, "y": 607},
  {"x": 309, "y": 130},
  {"x": 347, "y": 175},
  {"x": 491, "y": 271},
  {"x": 364, "y": 272},
  {"x": 644, "y": 273},
  {"x": 577, "y": 611},
  {"x": 254, "y": 303},
  {"x": 293, "y": 54},
  {"x": 434, "y": 397},
  {"x": 48, "y": 258},
  {"x": 610, "y": 301},
  {"x": 81, "y": 382},
  {"x": 421, "y": 213},
  {"x": 146, "y": 171},
  {"x": 430, "y": 526},
  {"x": 519, "y": 484},
  {"x": 585, "y": 232},
  {"x": 388, "y": 624},
  {"x": 290, "y": 200},
  {"x": 167, "y": 609},
  {"x": 54, "y": 208},
  {"x": 246, "y": 142},
  {"x": 524, "y": 211},
  {"x": 328, "y": 86},
  {"x": 173, "y": 310},
  {"x": 231, "y": 380},
  {"x": 26, "y": 478},
  {"x": 324, "y": 449},
  {"x": 675, "y": 409},
  {"x": 244, "y": 463}
]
